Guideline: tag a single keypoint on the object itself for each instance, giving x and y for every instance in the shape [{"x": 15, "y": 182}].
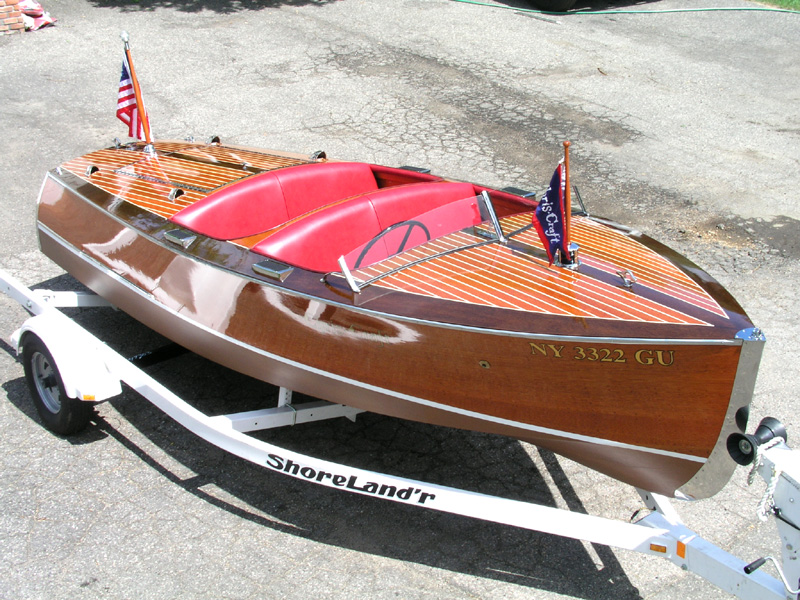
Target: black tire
[
  {"x": 59, "y": 413},
  {"x": 554, "y": 5}
]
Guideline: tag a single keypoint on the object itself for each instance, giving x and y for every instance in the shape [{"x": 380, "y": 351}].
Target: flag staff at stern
[
  {"x": 552, "y": 217},
  {"x": 130, "y": 105}
]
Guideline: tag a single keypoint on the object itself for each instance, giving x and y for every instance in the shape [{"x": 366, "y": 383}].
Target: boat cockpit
[{"x": 310, "y": 215}]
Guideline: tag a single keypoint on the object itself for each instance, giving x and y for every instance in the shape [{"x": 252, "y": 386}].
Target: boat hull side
[
  {"x": 475, "y": 380},
  {"x": 655, "y": 472}
]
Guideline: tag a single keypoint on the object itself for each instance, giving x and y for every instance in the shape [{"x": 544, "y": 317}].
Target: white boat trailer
[{"x": 80, "y": 368}]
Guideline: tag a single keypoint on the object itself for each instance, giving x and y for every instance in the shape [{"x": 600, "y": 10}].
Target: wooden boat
[{"x": 402, "y": 293}]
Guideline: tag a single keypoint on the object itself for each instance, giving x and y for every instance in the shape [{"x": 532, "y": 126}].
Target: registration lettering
[{"x": 641, "y": 356}]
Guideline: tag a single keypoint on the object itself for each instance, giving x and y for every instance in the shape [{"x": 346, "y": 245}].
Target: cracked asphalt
[{"x": 684, "y": 125}]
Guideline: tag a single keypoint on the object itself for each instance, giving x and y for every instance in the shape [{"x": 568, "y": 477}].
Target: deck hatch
[{"x": 161, "y": 180}]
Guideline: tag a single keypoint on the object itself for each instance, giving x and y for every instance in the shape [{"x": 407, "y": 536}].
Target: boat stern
[{"x": 719, "y": 467}]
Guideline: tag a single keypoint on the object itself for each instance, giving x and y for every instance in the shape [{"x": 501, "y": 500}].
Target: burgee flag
[{"x": 550, "y": 218}]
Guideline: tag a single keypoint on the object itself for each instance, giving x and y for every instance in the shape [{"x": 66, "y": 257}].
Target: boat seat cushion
[
  {"x": 264, "y": 201},
  {"x": 316, "y": 240},
  {"x": 308, "y": 186},
  {"x": 417, "y": 230}
]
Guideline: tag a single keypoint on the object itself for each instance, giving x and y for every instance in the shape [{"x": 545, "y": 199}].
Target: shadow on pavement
[
  {"x": 580, "y": 5},
  {"x": 476, "y": 462},
  {"x": 193, "y": 6},
  {"x": 235, "y": 6}
]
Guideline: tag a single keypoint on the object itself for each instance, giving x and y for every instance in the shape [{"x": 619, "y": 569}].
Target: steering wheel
[{"x": 409, "y": 225}]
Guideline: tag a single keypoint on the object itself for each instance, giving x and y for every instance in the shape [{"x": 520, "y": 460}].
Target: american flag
[{"x": 127, "y": 112}]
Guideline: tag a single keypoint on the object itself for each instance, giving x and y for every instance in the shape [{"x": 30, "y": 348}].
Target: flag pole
[
  {"x": 136, "y": 90},
  {"x": 567, "y": 201}
]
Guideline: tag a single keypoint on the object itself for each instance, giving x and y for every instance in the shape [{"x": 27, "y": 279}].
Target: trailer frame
[{"x": 90, "y": 371}]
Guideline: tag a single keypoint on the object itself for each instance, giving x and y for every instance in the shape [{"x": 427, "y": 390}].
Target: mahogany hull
[{"x": 648, "y": 404}]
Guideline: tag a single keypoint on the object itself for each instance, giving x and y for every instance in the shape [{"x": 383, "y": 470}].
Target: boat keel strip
[{"x": 661, "y": 533}]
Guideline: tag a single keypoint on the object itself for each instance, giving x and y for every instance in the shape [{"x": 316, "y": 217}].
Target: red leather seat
[
  {"x": 316, "y": 240},
  {"x": 307, "y": 187},
  {"x": 417, "y": 230},
  {"x": 264, "y": 201},
  {"x": 402, "y": 203},
  {"x": 237, "y": 210}
]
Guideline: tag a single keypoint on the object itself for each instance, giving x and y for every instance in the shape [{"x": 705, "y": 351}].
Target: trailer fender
[{"x": 79, "y": 357}]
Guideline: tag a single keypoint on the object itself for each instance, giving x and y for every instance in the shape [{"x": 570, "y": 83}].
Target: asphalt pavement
[{"x": 684, "y": 125}]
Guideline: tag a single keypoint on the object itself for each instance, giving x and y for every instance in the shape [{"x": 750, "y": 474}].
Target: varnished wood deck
[
  {"x": 492, "y": 275},
  {"x": 146, "y": 181},
  {"x": 495, "y": 275}
]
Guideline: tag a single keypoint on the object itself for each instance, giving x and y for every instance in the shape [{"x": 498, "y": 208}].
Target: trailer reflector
[{"x": 681, "y": 549}]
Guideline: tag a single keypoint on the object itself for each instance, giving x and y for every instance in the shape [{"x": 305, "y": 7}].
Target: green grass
[{"x": 792, "y": 4}]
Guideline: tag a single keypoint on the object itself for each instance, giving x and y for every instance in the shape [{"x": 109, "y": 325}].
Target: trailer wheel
[{"x": 60, "y": 413}]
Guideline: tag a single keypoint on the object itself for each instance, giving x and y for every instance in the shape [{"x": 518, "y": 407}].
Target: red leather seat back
[
  {"x": 400, "y": 204},
  {"x": 237, "y": 210},
  {"x": 269, "y": 199},
  {"x": 317, "y": 240},
  {"x": 307, "y": 187},
  {"x": 418, "y": 229}
]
